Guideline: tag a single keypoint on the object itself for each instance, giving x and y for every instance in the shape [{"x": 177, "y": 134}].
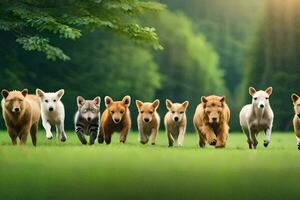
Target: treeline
[
  {"x": 105, "y": 64},
  {"x": 274, "y": 57}
]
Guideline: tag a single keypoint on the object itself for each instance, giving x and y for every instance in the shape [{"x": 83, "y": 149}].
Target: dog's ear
[
  {"x": 294, "y": 97},
  {"x": 155, "y": 103},
  {"x": 269, "y": 90},
  {"x": 80, "y": 101},
  {"x": 185, "y": 104},
  {"x": 138, "y": 104},
  {"x": 5, "y": 93},
  {"x": 126, "y": 100},
  {"x": 222, "y": 99},
  {"x": 60, "y": 93},
  {"x": 40, "y": 93},
  {"x": 203, "y": 99},
  {"x": 108, "y": 101},
  {"x": 97, "y": 101},
  {"x": 169, "y": 104},
  {"x": 24, "y": 92},
  {"x": 252, "y": 91}
]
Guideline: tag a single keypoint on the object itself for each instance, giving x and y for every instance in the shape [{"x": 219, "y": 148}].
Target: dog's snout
[
  {"x": 176, "y": 119},
  {"x": 89, "y": 119},
  {"x": 214, "y": 119},
  {"x": 261, "y": 105},
  {"x": 51, "y": 109},
  {"x": 17, "y": 110},
  {"x": 298, "y": 115},
  {"x": 117, "y": 120},
  {"x": 146, "y": 120}
]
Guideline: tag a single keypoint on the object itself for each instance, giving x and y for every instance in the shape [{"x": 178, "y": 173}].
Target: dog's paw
[
  {"x": 213, "y": 142},
  {"x": 49, "y": 137},
  {"x": 84, "y": 142},
  {"x": 298, "y": 146},
  {"x": 266, "y": 143},
  {"x": 153, "y": 143}
]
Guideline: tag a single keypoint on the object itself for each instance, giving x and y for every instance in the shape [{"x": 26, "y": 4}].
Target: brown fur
[
  {"x": 211, "y": 121},
  {"x": 21, "y": 123},
  {"x": 115, "y": 111},
  {"x": 296, "y": 120},
  {"x": 147, "y": 111}
]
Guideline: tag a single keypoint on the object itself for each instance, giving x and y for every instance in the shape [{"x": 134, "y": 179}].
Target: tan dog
[
  {"x": 257, "y": 116},
  {"x": 211, "y": 121},
  {"x": 296, "y": 120},
  {"x": 21, "y": 113},
  {"x": 116, "y": 118},
  {"x": 148, "y": 120},
  {"x": 175, "y": 121}
]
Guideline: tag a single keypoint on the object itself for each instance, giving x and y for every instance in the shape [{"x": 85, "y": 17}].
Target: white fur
[
  {"x": 257, "y": 117},
  {"x": 52, "y": 118}
]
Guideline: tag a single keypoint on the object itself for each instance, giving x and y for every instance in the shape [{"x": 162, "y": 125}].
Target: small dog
[
  {"x": 53, "y": 113},
  {"x": 115, "y": 118},
  {"x": 296, "y": 120},
  {"x": 257, "y": 116},
  {"x": 87, "y": 119},
  {"x": 175, "y": 121},
  {"x": 148, "y": 120},
  {"x": 211, "y": 120},
  {"x": 21, "y": 113}
]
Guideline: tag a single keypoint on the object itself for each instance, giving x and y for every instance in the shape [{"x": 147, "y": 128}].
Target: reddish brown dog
[
  {"x": 296, "y": 120},
  {"x": 21, "y": 113},
  {"x": 211, "y": 121},
  {"x": 116, "y": 118}
]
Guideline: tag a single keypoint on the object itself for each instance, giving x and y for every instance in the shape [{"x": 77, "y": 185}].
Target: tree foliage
[
  {"x": 35, "y": 22},
  {"x": 274, "y": 57}
]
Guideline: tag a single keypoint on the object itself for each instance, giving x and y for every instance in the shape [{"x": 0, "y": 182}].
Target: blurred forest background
[{"x": 209, "y": 47}]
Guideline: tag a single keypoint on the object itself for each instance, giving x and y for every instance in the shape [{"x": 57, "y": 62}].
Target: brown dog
[
  {"x": 116, "y": 118},
  {"x": 148, "y": 120},
  {"x": 21, "y": 113},
  {"x": 211, "y": 121},
  {"x": 296, "y": 121}
]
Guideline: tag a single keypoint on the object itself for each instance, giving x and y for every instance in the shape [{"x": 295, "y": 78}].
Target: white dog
[
  {"x": 53, "y": 113},
  {"x": 257, "y": 116}
]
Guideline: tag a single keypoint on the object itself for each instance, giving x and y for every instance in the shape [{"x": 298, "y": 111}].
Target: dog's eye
[
  {"x": 46, "y": 101},
  {"x": 54, "y": 100},
  {"x": 142, "y": 112},
  {"x": 121, "y": 111},
  {"x": 255, "y": 98},
  {"x": 112, "y": 112},
  {"x": 267, "y": 98},
  {"x": 181, "y": 112},
  {"x": 151, "y": 112},
  {"x": 173, "y": 112}
]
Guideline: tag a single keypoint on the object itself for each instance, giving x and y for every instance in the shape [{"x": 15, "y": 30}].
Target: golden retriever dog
[{"x": 211, "y": 121}]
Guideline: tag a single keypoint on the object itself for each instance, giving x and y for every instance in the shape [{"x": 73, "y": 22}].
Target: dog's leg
[
  {"x": 24, "y": 133},
  {"x": 253, "y": 138},
  {"x": 93, "y": 133},
  {"x": 154, "y": 135},
  {"x": 13, "y": 135},
  {"x": 298, "y": 140},
  {"x": 180, "y": 138},
  {"x": 123, "y": 135},
  {"x": 222, "y": 137},
  {"x": 210, "y": 135},
  {"x": 80, "y": 133},
  {"x": 107, "y": 137},
  {"x": 33, "y": 133},
  {"x": 61, "y": 131},
  {"x": 170, "y": 138},
  {"x": 143, "y": 137},
  {"x": 100, "y": 136},
  {"x": 268, "y": 136},
  {"x": 202, "y": 139},
  {"x": 47, "y": 127}
]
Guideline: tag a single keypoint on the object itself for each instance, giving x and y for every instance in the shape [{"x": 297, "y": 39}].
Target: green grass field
[{"x": 55, "y": 170}]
